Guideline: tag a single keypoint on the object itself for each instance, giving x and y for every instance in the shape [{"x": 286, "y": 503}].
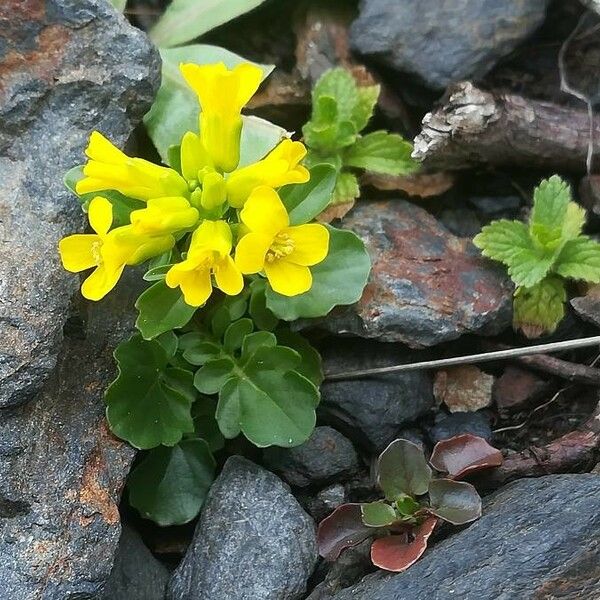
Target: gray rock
[
  {"x": 445, "y": 42},
  {"x": 67, "y": 67},
  {"x": 61, "y": 471},
  {"x": 426, "y": 285},
  {"x": 370, "y": 411},
  {"x": 253, "y": 541},
  {"x": 447, "y": 426},
  {"x": 324, "y": 502},
  {"x": 136, "y": 574},
  {"x": 326, "y": 456},
  {"x": 538, "y": 538}
]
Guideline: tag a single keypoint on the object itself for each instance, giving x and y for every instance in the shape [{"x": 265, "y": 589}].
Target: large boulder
[
  {"x": 253, "y": 541},
  {"x": 538, "y": 538},
  {"x": 427, "y": 286},
  {"x": 66, "y": 67},
  {"x": 444, "y": 42}
]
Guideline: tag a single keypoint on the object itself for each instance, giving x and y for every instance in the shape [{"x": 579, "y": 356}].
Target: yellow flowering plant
[{"x": 232, "y": 254}]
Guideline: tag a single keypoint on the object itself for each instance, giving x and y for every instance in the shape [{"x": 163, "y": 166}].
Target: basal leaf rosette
[{"x": 415, "y": 501}]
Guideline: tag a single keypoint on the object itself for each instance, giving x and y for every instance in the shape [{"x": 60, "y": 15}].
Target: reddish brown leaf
[
  {"x": 395, "y": 553},
  {"x": 342, "y": 529},
  {"x": 336, "y": 211},
  {"x": 463, "y": 454},
  {"x": 454, "y": 501},
  {"x": 422, "y": 185}
]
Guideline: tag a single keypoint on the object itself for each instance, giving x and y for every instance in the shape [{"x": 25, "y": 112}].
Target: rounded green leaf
[
  {"x": 377, "y": 514},
  {"x": 235, "y": 334},
  {"x": 311, "y": 365},
  {"x": 205, "y": 423},
  {"x": 307, "y": 200},
  {"x": 338, "y": 280},
  {"x": 403, "y": 470},
  {"x": 148, "y": 404},
  {"x": 210, "y": 378},
  {"x": 161, "y": 309},
  {"x": 454, "y": 501},
  {"x": 170, "y": 485},
  {"x": 263, "y": 318}
]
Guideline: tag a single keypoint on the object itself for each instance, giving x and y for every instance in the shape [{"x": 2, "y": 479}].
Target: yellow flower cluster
[{"x": 209, "y": 193}]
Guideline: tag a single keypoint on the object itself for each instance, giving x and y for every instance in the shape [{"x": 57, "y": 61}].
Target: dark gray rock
[
  {"x": 447, "y": 426},
  {"x": 443, "y": 42},
  {"x": 324, "y": 502},
  {"x": 426, "y": 285},
  {"x": 253, "y": 541},
  {"x": 61, "y": 470},
  {"x": 370, "y": 411},
  {"x": 326, "y": 456},
  {"x": 538, "y": 538},
  {"x": 136, "y": 574},
  {"x": 67, "y": 67}
]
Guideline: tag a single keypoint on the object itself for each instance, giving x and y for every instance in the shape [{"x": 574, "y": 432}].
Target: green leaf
[
  {"x": 267, "y": 400},
  {"x": 402, "y": 470},
  {"x": 235, "y": 334},
  {"x": 261, "y": 315},
  {"x": 579, "y": 259},
  {"x": 307, "y": 200},
  {"x": 377, "y": 514},
  {"x": 366, "y": 99},
  {"x": 156, "y": 273},
  {"x": 169, "y": 485},
  {"x": 346, "y": 188},
  {"x": 119, "y": 4},
  {"x": 550, "y": 201},
  {"x": 509, "y": 242},
  {"x": 454, "y": 501},
  {"x": 161, "y": 309},
  {"x": 382, "y": 152},
  {"x": 147, "y": 404},
  {"x": 407, "y": 506},
  {"x": 539, "y": 309},
  {"x": 326, "y": 132},
  {"x": 185, "y": 20},
  {"x": 205, "y": 423},
  {"x": 211, "y": 378},
  {"x": 338, "y": 280},
  {"x": 338, "y": 84},
  {"x": 176, "y": 109},
  {"x": 311, "y": 365}
]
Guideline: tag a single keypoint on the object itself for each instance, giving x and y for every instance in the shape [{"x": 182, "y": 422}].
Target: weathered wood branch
[{"x": 473, "y": 127}]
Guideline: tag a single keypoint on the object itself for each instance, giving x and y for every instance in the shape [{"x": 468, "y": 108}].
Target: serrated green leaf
[
  {"x": 382, "y": 152},
  {"x": 550, "y": 201},
  {"x": 402, "y": 470},
  {"x": 377, "y": 514},
  {"x": 338, "y": 84},
  {"x": 579, "y": 259},
  {"x": 169, "y": 485},
  {"x": 366, "y": 99},
  {"x": 338, "y": 280},
  {"x": 539, "y": 309},
  {"x": 146, "y": 405},
  {"x": 185, "y": 20},
  {"x": 311, "y": 365},
  {"x": 161, "y": 309},
  {"x": 326, "y": 132},
  {"x": 305, "y": 201},
  {"x": 176, "y": 109},
  {"x": 346, "y": 188},
  {"x": 268, "y": 401}
]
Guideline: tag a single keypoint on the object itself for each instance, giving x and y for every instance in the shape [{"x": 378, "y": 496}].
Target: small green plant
[
  {"x": 414, "y": 501},
  {"x": 340, "y": 111},
  {"x": 542, "y": 254}
]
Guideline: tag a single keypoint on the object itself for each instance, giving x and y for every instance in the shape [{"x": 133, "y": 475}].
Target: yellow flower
[
  {"x": 108, "y": 251},
  {"x": 164, "y": 215},
  {"x": 111, "y": 169},
  {"x": 222, "y": 94},
  {"x": 280, "y": 167},
  {"x": 209, "y": 253},
  {"x": 283, "y": 252}
]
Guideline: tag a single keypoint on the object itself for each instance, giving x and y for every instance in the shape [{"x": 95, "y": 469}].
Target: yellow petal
[
  {"x": 80, "y": 252},
  {"x": 212, "y": 235},
  {"x": 250, "y": 252},
  {"x": 101, "y": 149},
  {"x": 220, "y": 134},
  {"x": 164, "y": 215},
  {"x": 228, "y": 276},
  {"x": 311, "y": 243},
  {"x": 100, "y": 215},
  {"x": 288, "y": 279},
  {"x": 213, "y": 190},
  {"x": 264, "y": 212},
  {"x": 249, "y": 77},
  {"x": 100, "y": 282},
  {"x": 195, "y": 284}
]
